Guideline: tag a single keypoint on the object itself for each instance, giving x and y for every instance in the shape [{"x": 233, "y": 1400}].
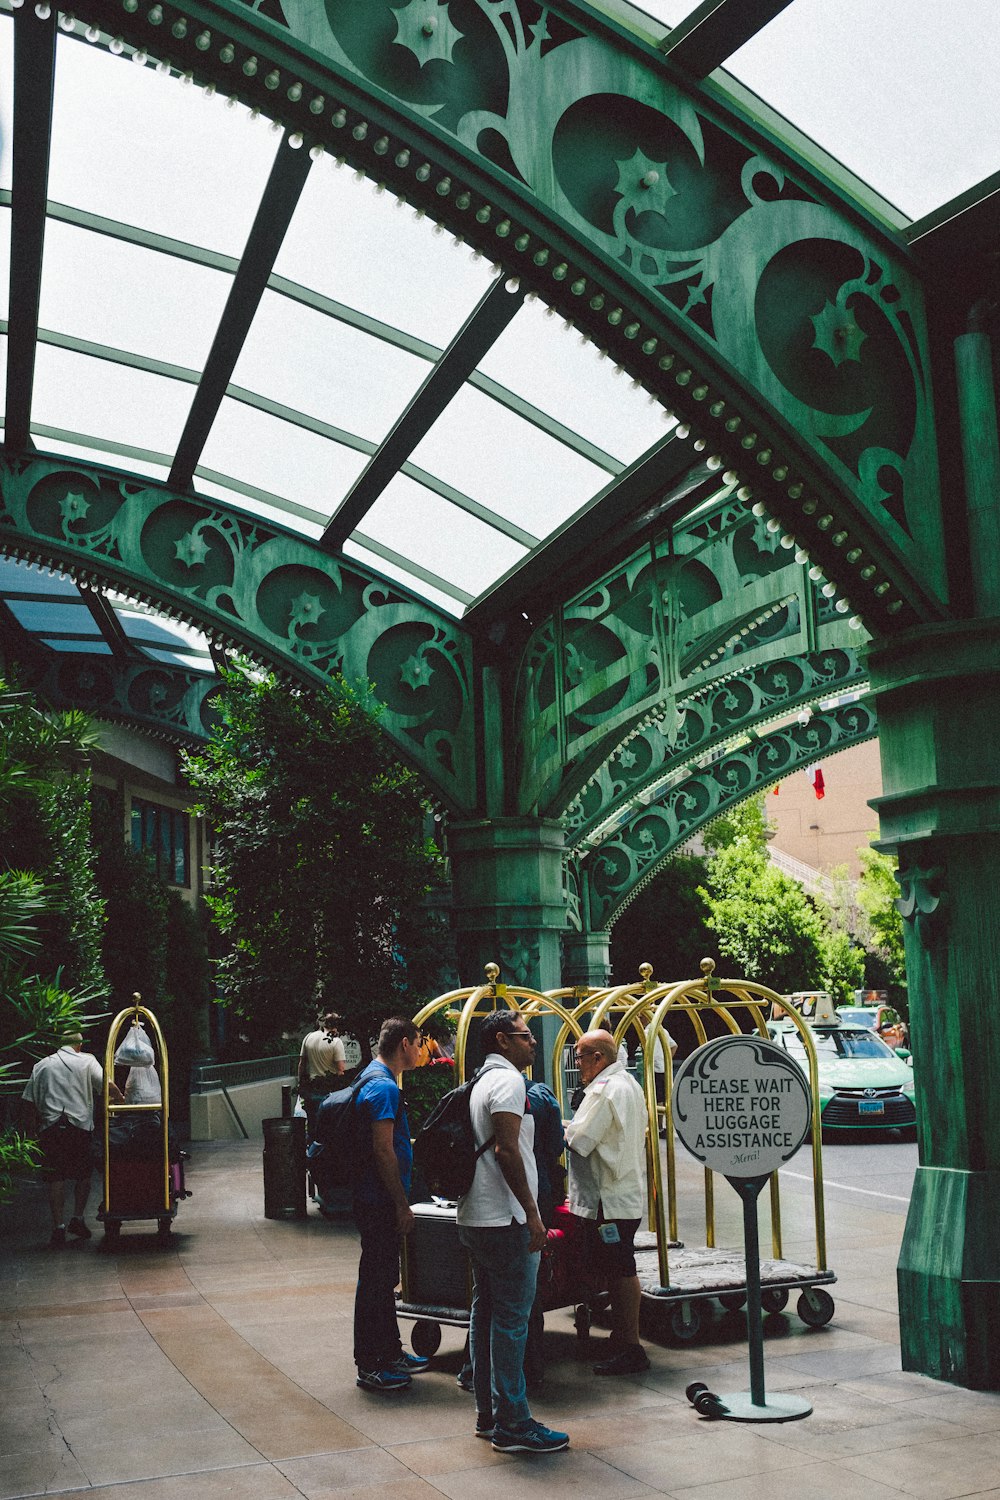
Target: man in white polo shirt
[
  {"x": 499, "y": 1225},
  {"x": 63, "y": 1088},
  {"x": 607, "y": 1184}
]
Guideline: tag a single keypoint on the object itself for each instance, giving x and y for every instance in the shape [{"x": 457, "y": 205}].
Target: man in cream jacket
[{"x": 607, "y": 1184}]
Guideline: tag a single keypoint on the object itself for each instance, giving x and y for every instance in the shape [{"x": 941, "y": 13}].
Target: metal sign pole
[{"x": 743, "y": 1108}]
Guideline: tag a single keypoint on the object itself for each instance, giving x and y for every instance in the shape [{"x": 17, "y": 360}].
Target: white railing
[{"x": 808, "y": 876}]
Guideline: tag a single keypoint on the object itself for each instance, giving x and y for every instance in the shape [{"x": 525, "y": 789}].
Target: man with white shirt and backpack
[{"x": 499, "y": 1225}]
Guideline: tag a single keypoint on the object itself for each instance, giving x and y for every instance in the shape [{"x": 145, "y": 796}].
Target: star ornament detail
[
  {"x": 192, "y": 549},
  {"x": 644, "y": 184},
  {"x": 416, "y": 671},
  {"x": 425, "y": 28},
  {"x": 306, "y": 609},
  {"x": 73, "y": 507},
  {"x": 837, "y": 334}
]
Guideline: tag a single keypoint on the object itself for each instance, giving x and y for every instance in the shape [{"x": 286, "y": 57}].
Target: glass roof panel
[
  {"x": 135, "y": 299},
  {"x": 506, "y": 463},
  {"x": 276, "y": 456},
  {"x": 903, "y": 93},
  {"x": 90, "y": 395},
  {"x": 396, "y": 574},
  {"x": 6, "y": 99},
  {"x": 98, "y": 453},
  {"x": 301, "y": 519},
  {"x": 144, "y": 149},
  {"x": 412, "y": 520},
  {"x": 349, "y": 242},
  {"x": 3, "y": 374},
  {"x": 568, "y": 380},
  {"x": 67, "y": 616},
  {"x": 92, "y": 648},
  {"x": 18, "y": 577},
  {"x": 315, "y": 364}
]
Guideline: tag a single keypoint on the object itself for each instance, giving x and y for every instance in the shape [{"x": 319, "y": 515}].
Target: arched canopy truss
[
  {"x": 783, "y": 323},
  {"x": 611, "y": 875}
]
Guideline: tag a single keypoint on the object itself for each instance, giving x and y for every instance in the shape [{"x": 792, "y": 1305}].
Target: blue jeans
[
  {"x": 376, "y": 1332},
  {"x": 504, "y": 1277}
]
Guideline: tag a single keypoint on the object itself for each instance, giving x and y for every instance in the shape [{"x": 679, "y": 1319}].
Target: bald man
[{"x": 607, "y": 1184}]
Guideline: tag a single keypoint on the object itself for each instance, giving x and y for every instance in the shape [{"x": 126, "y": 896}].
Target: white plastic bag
[
  {"x": 136, "y": 1051},
  {"x": 142, "y": 1086}
]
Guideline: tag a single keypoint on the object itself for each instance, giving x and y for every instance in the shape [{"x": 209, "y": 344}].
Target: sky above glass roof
[
  {"x": 903, "y": 92},
  {"x": 153, "y": 193}
]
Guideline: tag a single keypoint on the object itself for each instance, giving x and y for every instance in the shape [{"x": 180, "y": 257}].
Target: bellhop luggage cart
[
  {"x": 436, "y": 1276},
  {"x": 683, "y": 1278},
  {"x": 144, "y": 1185}
]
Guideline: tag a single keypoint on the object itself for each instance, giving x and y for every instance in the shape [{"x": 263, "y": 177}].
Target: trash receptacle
[{"x": 284, "y": 1168}]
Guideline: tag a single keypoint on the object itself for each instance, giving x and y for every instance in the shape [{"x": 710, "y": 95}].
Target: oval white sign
[{"x": 741, "y": 1105}]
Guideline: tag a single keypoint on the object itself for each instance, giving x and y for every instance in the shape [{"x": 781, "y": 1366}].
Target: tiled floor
[{"x": 221, "y": 1367}]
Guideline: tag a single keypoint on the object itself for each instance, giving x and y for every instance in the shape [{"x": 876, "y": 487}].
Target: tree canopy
[{"x": 319, "y": 854}]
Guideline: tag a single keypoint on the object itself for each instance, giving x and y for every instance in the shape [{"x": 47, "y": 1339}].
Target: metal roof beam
[
  {"x": 660, "y": 478},
  {"x": 34, "y": 85},
  {"x": 715, "y": 30},
  {"x": 281, "y": 195},
  {"x": 474, "y": 339},
  {"x": 108, "y": 623}
]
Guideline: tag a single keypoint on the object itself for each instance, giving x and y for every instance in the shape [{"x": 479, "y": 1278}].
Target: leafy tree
[
  {"x": 46, "y": 919},
  {"x": 319, "y": 849},
  {"x": 764, "y": 921},
  {"x": 880, "y": 925},
  {"x": 843, "y": 965},
  {"x": 666, "y": 925}
]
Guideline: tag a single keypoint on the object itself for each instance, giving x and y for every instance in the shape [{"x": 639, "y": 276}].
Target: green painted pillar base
[
  {"x": 949, "y": 1278},
  {"x": 587, "y": 959},
  {"x": 938, "y": 695},
  {"x": 508, "y": 899}
]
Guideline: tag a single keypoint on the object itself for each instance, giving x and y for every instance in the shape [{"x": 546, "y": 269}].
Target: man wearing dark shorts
[
  {"x": 607, "y": 1185},
  {"x": 63, "y": 1088}
]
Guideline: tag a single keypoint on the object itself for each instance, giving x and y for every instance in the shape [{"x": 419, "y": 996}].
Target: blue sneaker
[
  {"x": 384, "y": 1380},
  {"x": 410, "y": 1364},
  {"x": 531, "y": 1439}
]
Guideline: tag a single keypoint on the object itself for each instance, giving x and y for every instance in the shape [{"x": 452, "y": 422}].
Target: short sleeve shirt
[
  {"x": 322, "y": 1053},
  {"x": 65, "y": 1084},
  {"x": 489, "y": 1203},
  {"x": 378, "y": 1098}
]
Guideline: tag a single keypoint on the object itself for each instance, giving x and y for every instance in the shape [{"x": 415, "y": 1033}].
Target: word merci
[{"x": 741, "y": 1112}]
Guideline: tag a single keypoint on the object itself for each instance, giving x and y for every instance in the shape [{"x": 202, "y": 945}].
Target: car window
[{"x": 859, "y": 1043}]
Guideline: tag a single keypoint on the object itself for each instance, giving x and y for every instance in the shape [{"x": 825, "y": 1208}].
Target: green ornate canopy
[{"x": 569, "y": 372}]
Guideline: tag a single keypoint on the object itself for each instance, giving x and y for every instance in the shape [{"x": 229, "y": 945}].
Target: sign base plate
[{"x": 780, "y": 1408}]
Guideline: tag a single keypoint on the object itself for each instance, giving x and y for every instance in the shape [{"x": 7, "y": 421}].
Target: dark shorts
[
  {"x": 66, "y": 1153},
  {"x": 614, "y": 1262}
]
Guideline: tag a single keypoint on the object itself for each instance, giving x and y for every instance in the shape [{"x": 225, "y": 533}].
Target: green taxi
[{"x": 863, "y": 1083}]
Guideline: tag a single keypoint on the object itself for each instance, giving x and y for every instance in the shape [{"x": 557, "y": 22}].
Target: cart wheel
[
  {"x": 774, "y": 1298},
  {"x": 163, "y": 1227},
  {"x": 112, "y": 1233},
  {"x": 815, "y": 1307},
  {"x": 733, "y": 1301},
  {"x": 581, "y": 1320},
  {"x": 685, "y": 1321},
  {"x": 426, "y": 1337}
]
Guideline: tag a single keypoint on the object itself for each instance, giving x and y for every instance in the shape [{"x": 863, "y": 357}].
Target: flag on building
[{"x": 815, "y": 774}]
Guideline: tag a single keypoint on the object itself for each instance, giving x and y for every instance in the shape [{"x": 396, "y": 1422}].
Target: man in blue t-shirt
[{"x": 381, "y": 1209}]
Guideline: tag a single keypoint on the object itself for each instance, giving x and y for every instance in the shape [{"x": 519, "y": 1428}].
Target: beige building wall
[{"x": 829, "y": 831}]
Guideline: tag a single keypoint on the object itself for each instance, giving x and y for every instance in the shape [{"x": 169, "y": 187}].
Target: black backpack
[
  {"x": 332, "y": 1153},
  {"x": 445, "y": 1150}
]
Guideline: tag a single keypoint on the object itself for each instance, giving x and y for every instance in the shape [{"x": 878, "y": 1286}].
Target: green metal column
[
  {"x": 508, "y": 898},
  {"x": 587, "y": 958},
  {"x": 938, "y": 695}
]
